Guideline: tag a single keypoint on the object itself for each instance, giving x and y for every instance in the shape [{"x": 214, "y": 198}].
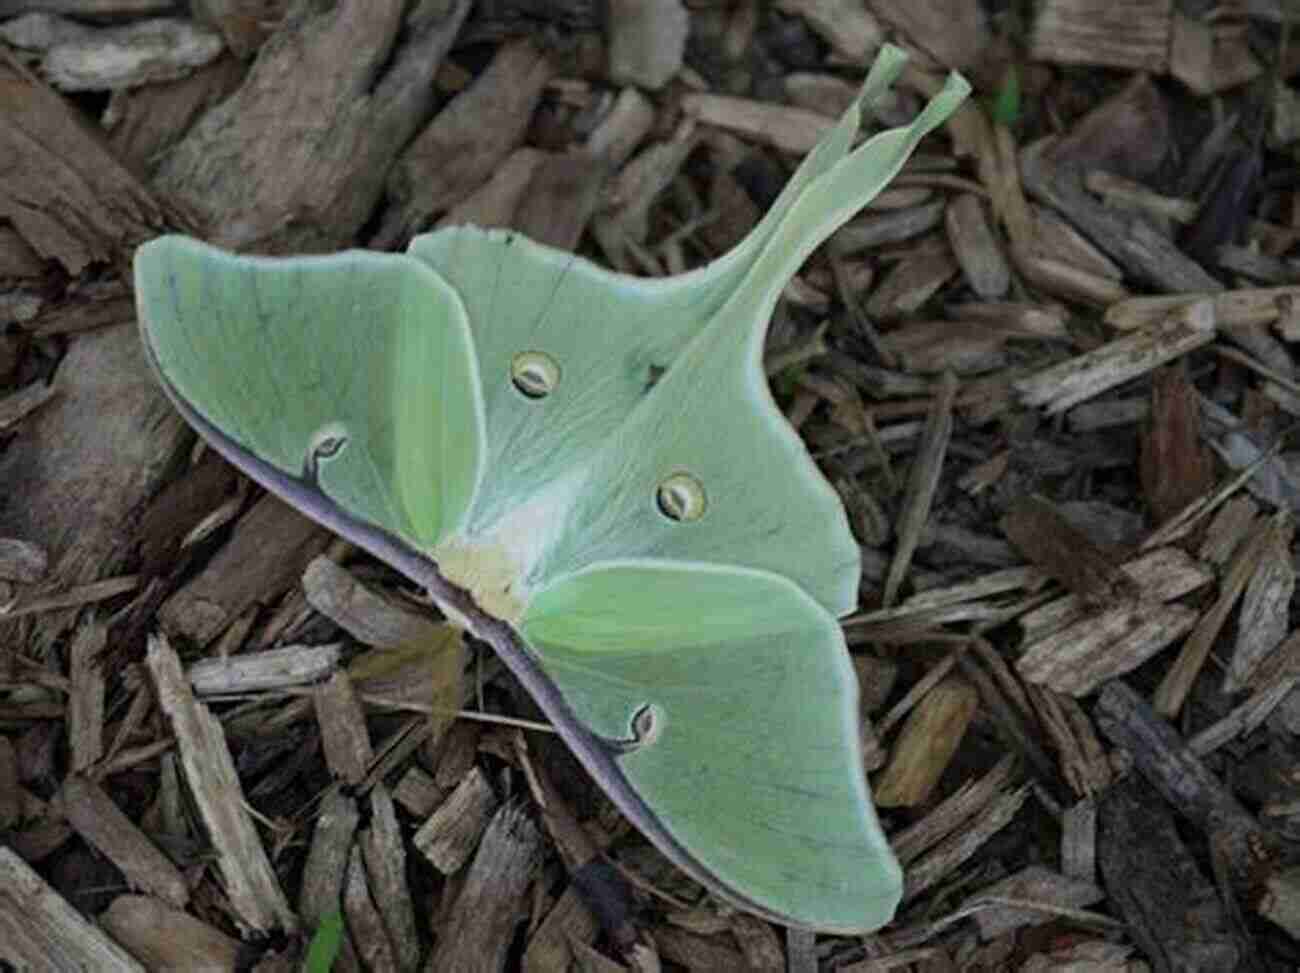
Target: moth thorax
[{"x": 487, "y": 571}]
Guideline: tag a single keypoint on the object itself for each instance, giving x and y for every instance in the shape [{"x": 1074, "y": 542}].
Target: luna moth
[{"x": 588, "y": 471}]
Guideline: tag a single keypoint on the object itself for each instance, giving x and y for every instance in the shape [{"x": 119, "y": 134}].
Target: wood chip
[
  {"x": 158, "y": 49},
  {"x": 67, "y": 196},
  {"x": 101, "y": 448},
  {"x": 1131, "y": 34},
  {"x": 976, "y": 248},
  {"x": 927, "y": 743},
  {"x": 911, "y": 283},
  {"x": 264, "y": 557},
  {"x": 367, "y": 616},
  {"x": 1061, "y": 386},
  {"x": 1175, "y": 466},
  {"x": 293, "y": 665},
  {"x": 359, "y": 98},
  {"x": 86, "y": 693},
  {"x": 17, "y": 406},
  {"x": 1264, "y": 619},
  {"x": 39, "y": 930},
  {"x": 108, "y": 829},
  {"x": 647, "y": 41},
  {"x": 1062, "y": 551},
  {"x": 384, "y": 857},
  {"x": 321, "y": 893},
  {"x": 1035, "y": 884},
  {"x": 793, "y": 130},
  {"x": 923, "y": 479},
  {"x": 246, "y": 873},
  {"x": 479, "y": 930},
  {"x": 949, "y": 855},
  {"x": 456, "y": 153},
  {"x": 450, "y": 834},
  {"x": 167, "y": 938},
  {"x": 344, "y": 736},
  {"x": 1154, "y": 883},
  {"x": 850, "y": 28},
  {"x": 568, "y": 922},
  {"x": 369, "y": 937}
]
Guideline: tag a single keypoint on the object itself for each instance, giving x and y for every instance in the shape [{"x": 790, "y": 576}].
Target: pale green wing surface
[
  {"x": 349, "y": 378},
  {"x": 710, "y": 425},
  {"x": 719, "y": 708},
  {"x": 609, "y": 335}
]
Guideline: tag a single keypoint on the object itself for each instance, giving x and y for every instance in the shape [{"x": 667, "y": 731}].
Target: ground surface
[{"x": 1049, "y": 372}]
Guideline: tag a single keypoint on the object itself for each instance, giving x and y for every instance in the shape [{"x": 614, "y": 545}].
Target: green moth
[{"x": 588, "y": 471}]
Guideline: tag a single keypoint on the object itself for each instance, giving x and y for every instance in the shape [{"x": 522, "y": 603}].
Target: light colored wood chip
[
  {"x": 144, "y": 52},
  {"x": 1227, "y": 530},
  {"x": 874, "y": 230},
  {"x": 1079, "y": 841},
  {"x": 647, "y": 41},
  {"x": 479, "y": 930},
  {"x": 344, "y": 736},
  {"x": 910, "y": 284},
  {"x": 39, "y": 930},
  {"x": 417, "y": 792},
  {"x": 1080, "y": 657},
  {"x": 1131, "y": 34},
  {"x": 327, "y": 859},
  {"x": 293, "y": 665},
  {"x": 167, "y": 938},
  {"x": 1069, "y": 383},
  {"x": 86, "y": 692},
  {"x": 784, "y": 127},
  {"x": 976, "y": 248},
  {"x": 1264, "y": 617},
  {"x": 852, "y": 31},
  {"x": 369, "y": 617},
  {"x": 451, "y": 833},
  {"x": 1243, "y": 306},
  {"x": 926, "y": 744},
  {"x": 384, "y": 857},
  {"x": 249, "y": 880}
]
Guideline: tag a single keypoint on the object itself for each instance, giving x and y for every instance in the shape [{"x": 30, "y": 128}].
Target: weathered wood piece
[
  {"x": 478, "y": 931},
  {"x": 80, "y": 58},
  {"x": 249, "y": 880},
  {"x": 368, "y": 616},
  {"x": 264, "y": 557},
  {"x": 293, "y": 665},
  {"x": 1131, "y": 34},
  {"x": 850, "y": 28},
  {"x": 65, "y": 193},
  {"x": 97, "y": 451},
  {"x": 976, "y": 247},
  {"x": 451, "y": 833},
  {"x": 646, "y": 41},
  {"x": 106, "y": 827},
  {"x": 384, "y": 857},
  {"x": 356, "y": 97},
  {"x": 1172, "y": 910},
  {"x": 167, "y": 938},
  {"x": 39, "y": 930},
  {"x": 1059, "y": 387},
  {"x": 457, "y": 153},
  {"x": 927, "y": 743}
]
